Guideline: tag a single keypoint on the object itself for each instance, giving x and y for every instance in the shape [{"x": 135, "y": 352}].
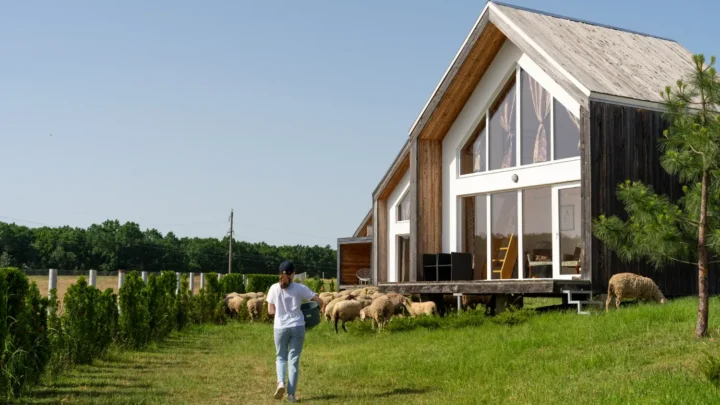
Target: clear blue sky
[{"x": 169, "y": 113}]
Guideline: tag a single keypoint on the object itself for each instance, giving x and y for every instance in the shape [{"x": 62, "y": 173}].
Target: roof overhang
[
  {"x": 392, "y": 177},
  {"x": 363, "y": 225}
]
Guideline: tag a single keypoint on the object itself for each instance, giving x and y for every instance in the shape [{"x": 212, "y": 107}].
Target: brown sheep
[
  {"x": 234, "y": 304},
  {"x": 422, "y": 308},
  {"x": 379, "y": 311},
  {"x": 255, "y": 306},
  {"x": 346, "y": 311},
  {"x": 399, "y": 302},
  {"x": 629, "y": 285}
]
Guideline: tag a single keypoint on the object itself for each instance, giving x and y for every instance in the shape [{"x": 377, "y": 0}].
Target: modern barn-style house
[{"x": 520, "y": 146}]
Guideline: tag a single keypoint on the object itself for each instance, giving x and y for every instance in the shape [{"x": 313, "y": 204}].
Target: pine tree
[{"x": 663, "y": 231}]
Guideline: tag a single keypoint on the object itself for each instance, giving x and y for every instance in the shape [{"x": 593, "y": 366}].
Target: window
[
  {"x": 502, "y": 130},
  {"x": 504, "y": 245},
  {"x": 537, "y": 232},
  {"x": 567, "y": 133},
  {"x": 403, "y": 255},
  {"x": 475, "y": 236},
  {"x": 403, "y": 209},
  {"x": 474, "y": 152},
  {"x": 549, "y": 131},
  {"x": 535, "y": 125}
]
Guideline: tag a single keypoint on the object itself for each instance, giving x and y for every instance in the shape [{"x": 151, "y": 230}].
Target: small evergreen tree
[{"x": 664, "y": 231}]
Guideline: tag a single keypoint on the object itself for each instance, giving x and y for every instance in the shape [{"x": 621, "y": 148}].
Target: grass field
[{"x": 643, "y": 354}]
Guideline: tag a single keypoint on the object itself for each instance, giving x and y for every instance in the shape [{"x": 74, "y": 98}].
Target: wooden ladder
[{"x": 504, "y": 267}]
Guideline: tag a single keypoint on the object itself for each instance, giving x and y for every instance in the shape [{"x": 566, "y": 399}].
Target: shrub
[
  {"x": 88, "y": 324},
  {"x": 26, "y": 349},
  {"x": 212, "y": 285},
  {"x": 512, "y": 316},
  {"x": 316, "y": 284},
  {"x": 205, "y": 307},
  {"x": 183, "y": 304},
  {"x": 161, "y": 304},
  {"x": 260, "y": 282},
  {"x": 332, "y": 285},
  {"x": 134, "y": 323},
  {"x": 60, "y": 357},
  {"x": 232, "y": 282}
]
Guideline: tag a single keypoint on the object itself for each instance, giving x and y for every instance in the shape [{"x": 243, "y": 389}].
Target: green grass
[{"x": 643, "y": 354}]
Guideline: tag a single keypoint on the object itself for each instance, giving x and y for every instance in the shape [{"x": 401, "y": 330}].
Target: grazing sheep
[
  {"x": 254, "y": 307},
  {"x": 325, "y": 294},
  {"x": 326, "y": 299},
  {"x": 234, "y": 304},
  {"x": 399, "y": 302},
  {"x": 346, "y": 311},
  {"x": 377, "y": 294},
  {"x": 629, "y": 285},
  {"x": 260, "y": 294},
  {"x": 251, "y": 295},
  {"x": 422, "y": 308},
  {"x": 329, "y": 307},
  {"x": 379, "y": 311},
  {"x": 472, "y": 301}
]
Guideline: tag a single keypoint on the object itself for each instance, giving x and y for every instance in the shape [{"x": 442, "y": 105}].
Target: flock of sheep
[
  {"x": 379, "y": 308},
  {"x": 368, "y": 303}
]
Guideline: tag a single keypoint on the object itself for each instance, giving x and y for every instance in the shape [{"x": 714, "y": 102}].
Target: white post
[
  {"x": 459, "y": 297},
  {"x": 144, "y": 276},
  {"x": 202, "y": 280},
  {"x": 177, "y": 289},
  {"x": 219, "y": 276},
  {"x": 191, "y": 282},
  {"x": 52, "y": 280},
  {"x": 121, "y": 279},
  {"x": 93, "y": 278}
]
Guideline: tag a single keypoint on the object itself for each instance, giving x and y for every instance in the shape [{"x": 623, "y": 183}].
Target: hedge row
[{"x": 38, "y": 337}]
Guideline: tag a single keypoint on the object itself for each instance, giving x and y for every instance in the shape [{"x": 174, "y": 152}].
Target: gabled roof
[
  {"x": 367, "y": 220},
  {"x": 604, "y": 59},
  {"x": 586, "y": 59}
]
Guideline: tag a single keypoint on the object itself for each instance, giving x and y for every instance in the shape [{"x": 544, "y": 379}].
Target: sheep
[
  {"x": 629, "y": 285},
  {"x": 376, "y": 294},
  {"x": 255, "y": 306},
  {"x": 346, "y": 311},
  {"x": 325, "y": 294},
  {"x": 329, "y": 307},
  {"x": 472, "y": 301},
  {"x": 379, "y": 311},
  {"x": 251, "y": 295},
  {"x": 422, "y": 308},
  {"x": 346, "y": 292},
  {"x": 234, "y": 304},
  {"x": 326, "y": 299},
  {"x": 399, "y": 302}
]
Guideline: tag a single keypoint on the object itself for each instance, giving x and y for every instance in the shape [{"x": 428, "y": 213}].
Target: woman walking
[{"x": 284, "y": 299}]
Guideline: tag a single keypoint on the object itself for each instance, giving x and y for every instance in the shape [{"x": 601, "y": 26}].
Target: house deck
[{"x": 528, "y": 287}]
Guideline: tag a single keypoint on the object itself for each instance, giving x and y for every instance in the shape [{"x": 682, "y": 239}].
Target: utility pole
[{"x": 230, "y": 243}]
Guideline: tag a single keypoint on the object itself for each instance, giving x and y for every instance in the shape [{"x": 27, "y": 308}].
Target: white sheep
[
  {"x": 629, "y": 285},
  {"x": 329, "y": 307},
  {"x": 234, "y": 304},
  {"x": 255, "y": 306},
  {"x": 422, "y": 308},
  {"x": 346, "y": 311},
  {"x": 379, "y": 311},
  {"x": 399, "y": 301}
]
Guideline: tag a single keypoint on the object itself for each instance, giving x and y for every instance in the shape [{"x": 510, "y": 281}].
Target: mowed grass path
[{"x": 644, "y": 354}]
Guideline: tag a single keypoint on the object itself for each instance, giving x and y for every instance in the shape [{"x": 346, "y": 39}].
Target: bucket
[{"x": 311, "y": 312}]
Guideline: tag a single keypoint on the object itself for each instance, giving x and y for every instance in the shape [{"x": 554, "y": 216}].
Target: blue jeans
[{"x": 292, "y": 339}]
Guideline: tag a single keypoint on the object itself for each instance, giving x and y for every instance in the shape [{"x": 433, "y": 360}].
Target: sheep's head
[{"x": 363, "y": 315}]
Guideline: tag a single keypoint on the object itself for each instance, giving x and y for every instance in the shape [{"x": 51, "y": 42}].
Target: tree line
[{"x": 112, "y": 246}]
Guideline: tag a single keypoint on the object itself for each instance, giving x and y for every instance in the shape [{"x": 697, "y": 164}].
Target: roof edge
[
  {"x": 362, "y": 224},
  {"x": 563, "y": 17}
]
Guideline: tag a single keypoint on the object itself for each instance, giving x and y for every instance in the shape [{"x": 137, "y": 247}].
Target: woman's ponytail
[{"x": 284, "y": 281}]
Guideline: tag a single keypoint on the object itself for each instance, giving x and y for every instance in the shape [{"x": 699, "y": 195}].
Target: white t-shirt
[{"x": 287, "y": 304}]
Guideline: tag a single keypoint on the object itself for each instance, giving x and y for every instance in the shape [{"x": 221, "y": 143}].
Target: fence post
[
  {"x": 144, "y": 276},
  {"x": 177, "y": 288},
  {"x": 52, "y": 280},
  {"x": 93, "y": 278},
  {"x": 191, "y": 282},
  {"x": 121, "y": 279},
  {"x": 219, "y": 276},
  {"x": 202, "y": 280}
]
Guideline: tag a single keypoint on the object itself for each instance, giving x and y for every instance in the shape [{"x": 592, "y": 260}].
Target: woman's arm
[
  {"x": 320, "y": 302},
  {"x": 271, "y": 309}
]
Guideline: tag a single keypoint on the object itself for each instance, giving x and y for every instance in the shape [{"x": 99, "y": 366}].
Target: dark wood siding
[
  {"x": 624, "y": 146},
  {"x": 353, "y": 254}
]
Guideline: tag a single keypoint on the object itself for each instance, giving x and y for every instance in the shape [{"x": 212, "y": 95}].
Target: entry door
[{"x": 566, "y": 229}]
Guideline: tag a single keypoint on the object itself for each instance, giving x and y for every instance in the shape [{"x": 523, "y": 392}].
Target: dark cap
[{"x": 287, "y": 267}]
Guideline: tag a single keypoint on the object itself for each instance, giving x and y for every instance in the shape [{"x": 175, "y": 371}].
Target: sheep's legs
[
  {"x": 343, "y": 326},
  {"x": 608, "y": 301},
  {"x": 336, "y": 328},
  {"x": 617, "y": 301}
]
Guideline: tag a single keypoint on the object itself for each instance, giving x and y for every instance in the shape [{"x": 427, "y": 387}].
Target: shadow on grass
[{"x": 393, "y": 392}]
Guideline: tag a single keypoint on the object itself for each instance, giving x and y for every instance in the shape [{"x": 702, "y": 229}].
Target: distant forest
[{"x": 112, "y": 246}]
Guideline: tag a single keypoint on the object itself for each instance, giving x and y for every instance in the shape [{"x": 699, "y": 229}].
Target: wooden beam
[
  {"x": 394, "y": 174},
  {"x": 367, "y": 221},
  {"x": 380, "y": 235},
  {"x": 585, "y": 195},
  {"x": 463, "y": 77},
  {"x": 415, "y": 256}
]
